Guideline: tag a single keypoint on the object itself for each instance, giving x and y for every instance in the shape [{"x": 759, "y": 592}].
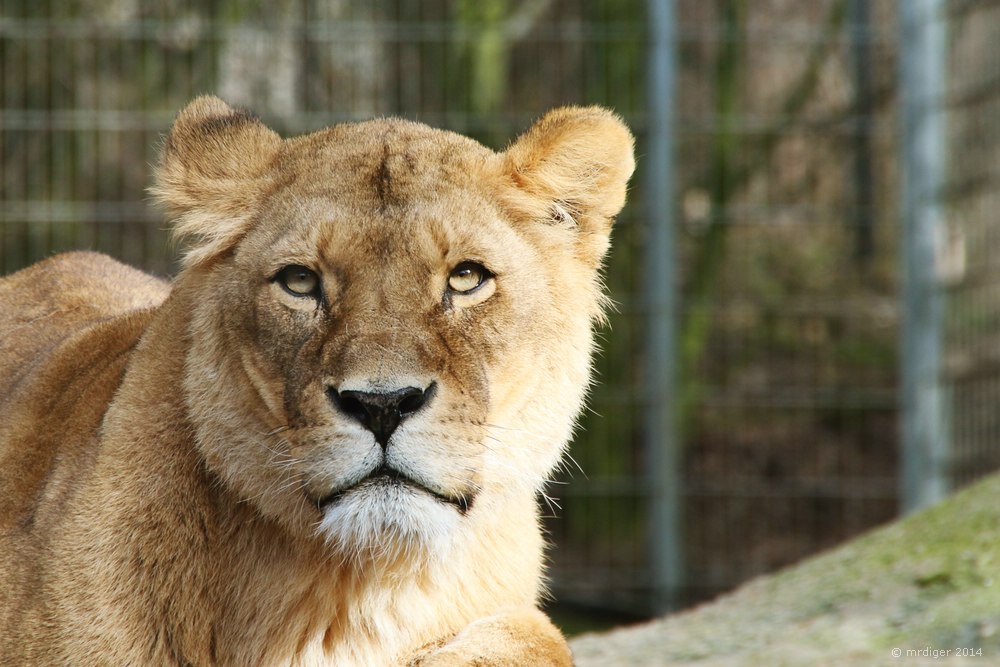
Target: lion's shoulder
[{"x": 67, "y": 325}]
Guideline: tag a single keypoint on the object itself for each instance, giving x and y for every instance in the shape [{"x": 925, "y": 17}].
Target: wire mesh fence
[
  {"x": 787, "y": 187},
  {"x": 970, "y": 262}
]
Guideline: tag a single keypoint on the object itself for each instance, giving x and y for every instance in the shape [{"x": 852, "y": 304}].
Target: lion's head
[{"x": 392, "y": 329}]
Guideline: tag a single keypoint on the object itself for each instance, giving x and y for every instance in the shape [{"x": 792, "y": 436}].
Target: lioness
[{"x": 322, "y": 444}]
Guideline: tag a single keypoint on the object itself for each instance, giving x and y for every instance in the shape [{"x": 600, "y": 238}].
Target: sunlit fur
[{"x": 180, "y": 483}]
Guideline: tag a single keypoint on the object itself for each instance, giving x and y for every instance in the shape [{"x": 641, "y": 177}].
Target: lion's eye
[
  {"x": 299, "y": 280},
  {"x": 467, "y": 277}
]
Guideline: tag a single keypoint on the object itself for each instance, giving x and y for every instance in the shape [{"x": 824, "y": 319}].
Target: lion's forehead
[
  {"x": 386, "y": 162},
  {"x": 379, "y": 190}
]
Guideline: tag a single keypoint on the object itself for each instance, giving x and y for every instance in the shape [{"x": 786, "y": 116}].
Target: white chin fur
[{"x": 389, "y": 522}]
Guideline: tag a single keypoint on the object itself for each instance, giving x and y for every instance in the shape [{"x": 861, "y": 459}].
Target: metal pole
[
  {"x": 925, "y": 446},
  {"x": 661, "y": 442},
  {"x": 864, "y": 175}
]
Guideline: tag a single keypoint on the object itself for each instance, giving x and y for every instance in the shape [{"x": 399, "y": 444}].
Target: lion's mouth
[{"x": 384, "y": 477}]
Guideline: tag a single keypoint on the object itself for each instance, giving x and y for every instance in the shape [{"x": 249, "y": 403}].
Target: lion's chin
[{"x": 383, "y": 518}]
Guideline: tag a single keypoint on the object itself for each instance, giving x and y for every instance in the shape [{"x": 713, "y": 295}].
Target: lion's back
[{"x": 48, "y": 301}]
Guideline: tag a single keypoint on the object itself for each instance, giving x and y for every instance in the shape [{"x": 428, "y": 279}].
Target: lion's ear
[
  {"x": 213, "y": 169},
  {"x": 572, "y": 166}
]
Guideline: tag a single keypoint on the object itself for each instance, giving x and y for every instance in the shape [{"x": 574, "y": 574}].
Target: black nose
[{"x": 380, "y": 412}]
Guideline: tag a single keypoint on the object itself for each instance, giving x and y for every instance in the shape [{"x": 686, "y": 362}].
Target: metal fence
[
  {"x": 785, "y": 174},
  {"x": 784, "y": 194}
]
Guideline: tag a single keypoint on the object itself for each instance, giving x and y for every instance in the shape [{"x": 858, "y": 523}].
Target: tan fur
[{"x": 179, "y": 477}]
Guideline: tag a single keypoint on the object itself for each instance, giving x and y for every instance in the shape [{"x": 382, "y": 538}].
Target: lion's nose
[{"x": 381, "y": 412}]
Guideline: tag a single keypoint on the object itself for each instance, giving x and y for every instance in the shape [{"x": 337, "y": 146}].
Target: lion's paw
[{"x": 515, "y": 638}]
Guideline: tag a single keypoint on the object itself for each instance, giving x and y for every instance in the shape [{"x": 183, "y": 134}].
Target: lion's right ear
[
  {"x": 214, "y": 166},
  {"x": 573, "y": 165}
]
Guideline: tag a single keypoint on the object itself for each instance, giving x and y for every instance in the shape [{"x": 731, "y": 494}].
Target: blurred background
[{"x": 806, "y": 339}]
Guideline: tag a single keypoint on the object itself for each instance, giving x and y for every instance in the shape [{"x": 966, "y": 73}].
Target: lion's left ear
[
  {"x": 572, "y": 167},
  {"x": 214, "y": 168}
]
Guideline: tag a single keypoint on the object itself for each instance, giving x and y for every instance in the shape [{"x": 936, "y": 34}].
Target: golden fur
[{"x": 187, "y": 475}]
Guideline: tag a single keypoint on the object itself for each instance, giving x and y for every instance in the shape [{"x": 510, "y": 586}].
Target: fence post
[
  {"x": 661, "y": 444},
  {"x": 864, "y": 175},
  {"x": 925, "y": 446}
]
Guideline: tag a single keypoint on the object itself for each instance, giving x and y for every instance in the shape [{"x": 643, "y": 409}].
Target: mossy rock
[{"x": 929, "y": 582}]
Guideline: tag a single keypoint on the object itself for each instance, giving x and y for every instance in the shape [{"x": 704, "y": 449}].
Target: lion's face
[{"x": 392, "y": 327}]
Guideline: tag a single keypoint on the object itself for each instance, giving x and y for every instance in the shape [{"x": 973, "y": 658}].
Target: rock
[{"x": 925, "y": 586}]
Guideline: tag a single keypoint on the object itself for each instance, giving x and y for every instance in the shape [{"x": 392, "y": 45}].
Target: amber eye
[
  {"x": 467, "y": 277},
  {"x": 298, "y": 280}
]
